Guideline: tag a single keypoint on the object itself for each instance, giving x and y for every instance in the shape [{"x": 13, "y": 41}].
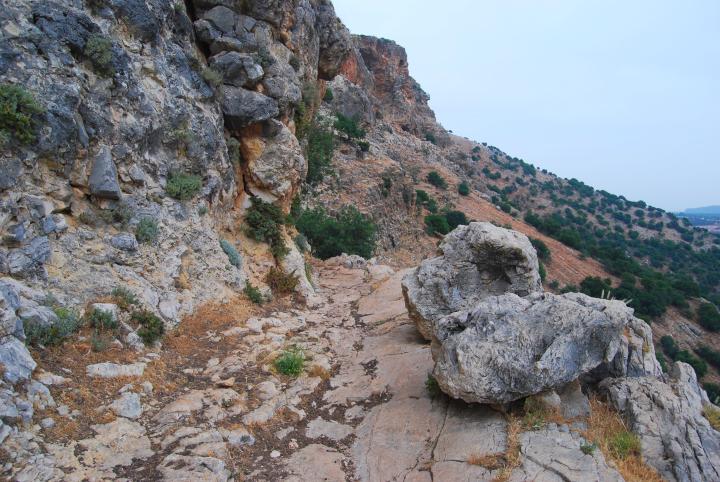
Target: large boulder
[
  {"x": 103, "y": 178},
  {"x": 676, "y": 439},
  {"x": 506, "y": 347},
  {"x": 476, "y": 261},
  {"x": 242, "y": 107},
  {"x": 275, "y": 162}
]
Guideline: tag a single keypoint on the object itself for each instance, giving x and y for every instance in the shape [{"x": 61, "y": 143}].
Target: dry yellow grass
[
  {"x": 605, "y": 426},
  {"x": 489, "y": 461},
  {"x": 512, "y": 453}
]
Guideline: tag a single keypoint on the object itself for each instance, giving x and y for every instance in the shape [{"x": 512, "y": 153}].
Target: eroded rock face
[
  {"x": 506, "y": 348},
  {"x": 477, "y": 261},
  {"x": 677, "y": 440}
]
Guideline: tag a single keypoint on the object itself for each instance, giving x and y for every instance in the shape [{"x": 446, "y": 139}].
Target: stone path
[{"x": 361, "y": 410}]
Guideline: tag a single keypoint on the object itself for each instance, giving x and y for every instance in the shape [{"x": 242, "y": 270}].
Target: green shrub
[
  {"x": 291, "y": 362},
  {"x": 432, "y": 386},
  {"x": 101, "y": 320},
  {"x": 264, "y": 223},
  {"x": 329, "y": 96},
  {"x": 253, "y": 294},
  {"x": 426, "y": 200},
  {"x": 202, "y": 210},
  {"x": 542, "y": 249},
  {"x": 436, "y": 224},
  {"x": 624, "y": 444},
  {"x": 152, "y": 327},
  {"x": 232, "y": 253},
  {"x": 302, "y": 243},
  {"x": 120, "y": 214},
  {"x": 98, "y": 49},
  {"x": 364, "y": 146},
  {"x": 463, "y": 189},
  {"x": 319, "y": 151},
  {"x": 147, "y": 231},
  {"x": 349, "y": 232},
  {"x": 542, "y": 271},
  {"x": 234, "y": 154},
  {"x": 280, "y": 282},
  {"x": 455, "y": 219},
  {"x": 435, "y": 179},
  {"x": 349, "y": 127},
  {"x": 713, "y": 392},
  {"x": 67, "y": 323},
  {"x": 710, "y": 355},
  {"x": 709, "y": 317},
  {"x": 430, "y": 137},
  {"x": 18, "y": 109},
  {"x": 99, "y": 341},
  {"x": 124, "y": 298},
  {"x": 588, "y": 448},
  {"x": 182, "y": 186}
]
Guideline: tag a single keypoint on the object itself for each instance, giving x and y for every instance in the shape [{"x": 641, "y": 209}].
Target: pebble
[{"x": 274, "y": 454}]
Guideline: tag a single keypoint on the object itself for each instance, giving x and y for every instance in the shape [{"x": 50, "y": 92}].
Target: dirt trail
[{"x": 218, "y": 411}]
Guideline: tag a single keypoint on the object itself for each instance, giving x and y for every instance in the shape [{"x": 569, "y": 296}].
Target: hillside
[{"x": 207, "y": 211}]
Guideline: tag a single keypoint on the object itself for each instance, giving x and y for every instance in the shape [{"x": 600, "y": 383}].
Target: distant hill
[{"x": 703, "y": 210}]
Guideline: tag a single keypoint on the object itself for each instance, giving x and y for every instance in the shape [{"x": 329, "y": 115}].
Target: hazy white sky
[{"x": 621, "y": 94}]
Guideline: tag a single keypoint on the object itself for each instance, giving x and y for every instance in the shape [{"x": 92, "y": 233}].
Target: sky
[{"x": 621, "y": 94}]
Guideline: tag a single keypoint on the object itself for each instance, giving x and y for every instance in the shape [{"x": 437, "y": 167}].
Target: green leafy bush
[
  {"x": 436, "y": 224},
  {"x": 18, "y": 109},
  {"x": 588, "y": 448},
  {"x": 349, "y": 127},
  {"x": 709, "y": 317},
  {"x": 430, "y": 137},
  {"x": 709, "y": 355},
  {"x": 67, "y": 323},
  {"x": 124, "y": 298},
  {"x": 291, "y": 362},
  {"x": 152, "y": 327},
  {"x": 349, "y": 232},
  {"x": 253, "y": 294},
  {"x": 463, "y": 189},
  {"x": 455, "y": 219},
  {"x": 101, "y": 320},
  {"x": 319, "y": 151},
  {"x": 426, "y": 200},
  {"x": 542, "y": 249},
  {"x": 280, "y": 282},
  {"x": 121, "y": 214},
  {"x": 435, "y": 179},
  {"x": 264, "y": 223},
  {"x": 182, "y": 186},
  {"x": 542, "y": 271},
  {"x": 147, "y": 231},
  {"x": 232, "y": 253},
  {"x": 329, "y": 96},
  {"x": 98, "y": 49}
]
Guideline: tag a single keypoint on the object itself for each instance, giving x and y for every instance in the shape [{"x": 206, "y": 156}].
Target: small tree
[
  {"x": 435, "y": 179},
  {"x": 464, "y": 189}
]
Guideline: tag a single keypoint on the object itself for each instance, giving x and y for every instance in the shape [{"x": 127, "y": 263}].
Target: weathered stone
[
  {"x": 10, "y": 170},
  {"x": 16, "y": 360},
  {"x": 242, "y": 107},
  {"x": 332, "y": 430},
  {"x": 554, "y": 455},
  {"x": 116, "y": 444},
  {"x": 113, "y": 370},
  {"x": 351, "y": 100},
  {"x": 184, "y": 468},
  {"x": 222, "y": 18},
  {"x": 124, "y": 242},
  {"x": 237, "y": 69},
  {"x": 128, "y": 406},
  {"x": 103, "y": 180},
  {"x": 676, "y": 439},
  {"x": 29, "y": 261},
  {"x": 506, "y": 347},
  {"x": 476, "y": 261},
  {"x": 324, "y": 463}
]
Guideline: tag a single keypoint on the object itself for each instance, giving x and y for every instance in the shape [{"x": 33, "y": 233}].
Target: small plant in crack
[{"x": 291, "y": 362}]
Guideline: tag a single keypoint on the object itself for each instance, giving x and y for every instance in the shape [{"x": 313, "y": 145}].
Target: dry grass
[
  {"x": 318, "y": 371},
  {"x": 512, "y": 453},
  {"x": 605, "y": 429},
  {"x": 712, "y": 414},
  {"x": 489, "y": 461}
]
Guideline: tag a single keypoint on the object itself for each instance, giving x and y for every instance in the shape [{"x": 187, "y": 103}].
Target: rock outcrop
[
  {"x": 506, "y": 347},
  {"x": 677, "y": 440},
  {"x": 476, "y": 261}
]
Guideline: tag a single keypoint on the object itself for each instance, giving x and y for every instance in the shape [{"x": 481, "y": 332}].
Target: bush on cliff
[
  {"x": 349, "y": 232},
  {"x": 264, "y": 223}
]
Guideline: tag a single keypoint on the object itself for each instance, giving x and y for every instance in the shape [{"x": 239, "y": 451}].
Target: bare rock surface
[
  {"x": 476, "y": 261},
  {"x": 506, "y": 347},
  {"x": 677, "y": 439}
]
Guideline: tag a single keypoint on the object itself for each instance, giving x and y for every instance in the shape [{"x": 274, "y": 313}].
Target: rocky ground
[{"x": 216, "y": 410}]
